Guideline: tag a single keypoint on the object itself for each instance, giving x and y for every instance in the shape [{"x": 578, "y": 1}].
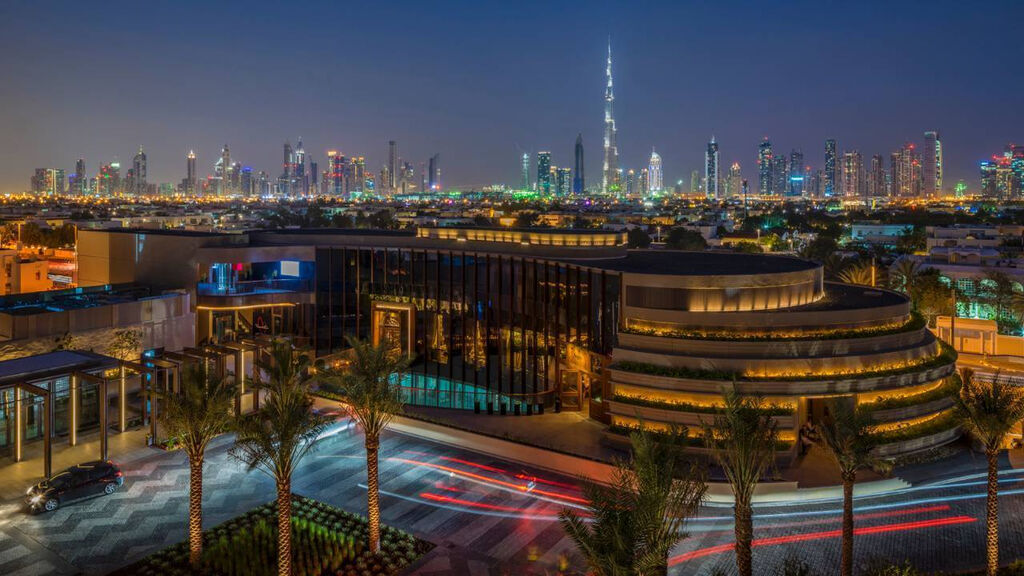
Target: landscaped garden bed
[{"x": 325, "y": 541}]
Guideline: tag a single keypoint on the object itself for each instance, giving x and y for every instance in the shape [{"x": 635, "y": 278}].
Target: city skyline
[{"x": 481, "y": 137}]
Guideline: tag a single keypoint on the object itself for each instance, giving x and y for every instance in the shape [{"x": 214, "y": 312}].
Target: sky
[{"x": 481, "y": 82}]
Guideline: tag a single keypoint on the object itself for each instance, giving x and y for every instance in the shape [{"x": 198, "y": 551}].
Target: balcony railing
[{"x": 254, "y": 287}]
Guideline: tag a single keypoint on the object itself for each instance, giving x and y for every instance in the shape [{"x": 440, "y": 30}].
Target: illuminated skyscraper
[
  {"x": 931, "y": 165},
  {"x": 525, "y": 184},
  {"x": 225, "y": 171},
  {"x": 48, "y": 181},
  {"x": 544, "y": 173},
  {"x": 796, "y": 174},
  {"x": 139, "y": 185},
  {"x": 829, "y": 180},
  {"x": 609, "y": 173},
  {"x": 876, "y": 177},
  {"x": 764, "y": 167},
  {"x": 108, "y": 181},
  {"x": 563, "y": 181},
  {"x": 696, "y": 186},
  {"x": 852, "y": 178},
  {"x": 711, "y": 171},
  {"x": 301, "y": 182},
  {"x": 392, "y": 164},
  {"x": 644, "y": 182},
  {"x": 630, "y": 182},
  {"x": 578, "y": 182},
  {"x": 191, "y": 175},
  {"x": 79, "y": 182},
  {"x": 654, "y": 174},
  {"x": 906, "y": 172},
  {"x": 434, "y": 177},
  {"x": 733, "y": 182}
]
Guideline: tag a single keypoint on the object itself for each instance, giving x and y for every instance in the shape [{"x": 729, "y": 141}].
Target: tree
[
  {"x": 125, "y": 344},
  {"x": 864, "y": 274},
  {"x": 997, "y": 288},
  {"x": 747, "y": 247},
  {"x": 640, "y": 516},
  {"x": 847, "y": 436},
  {"x": 371, "y": 386},
  {"x": 913, "y": 239},
  {"x": 280, "y": 435},
  {"x": 195, "y": 416},
  {"x": 65, "y": 341},
  {"x": 342, "y": 220},
  {"x": 931, "y": 296},
  {"x": 988, "y": 411},
  {"x": 526, "y": 219},
  {"x": 638, "y": 238},
  {"x": 820, "y": 248},
  {"x": 680, "y": 238},
  {"x": 904, "y": 276},
  {"x": 742, "y": 440}
]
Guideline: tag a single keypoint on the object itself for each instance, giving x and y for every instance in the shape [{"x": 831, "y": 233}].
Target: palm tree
[
  {"x": 864, "y": 274},
  {"x": 279, "y": 435},
  {"x": 742, "y": 440},
  {"x": 847, "y": 436},
  {"x": 904, "y": 276},
  {"x": 197, "y": 414},
  {"x": 371, "y": 386},
  {"x": 639, "y": 517},
  {"x": 988, "y": 411}
]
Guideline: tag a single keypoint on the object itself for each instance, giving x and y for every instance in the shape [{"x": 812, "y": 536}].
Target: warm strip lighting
[{"x": 493, "y": 481}]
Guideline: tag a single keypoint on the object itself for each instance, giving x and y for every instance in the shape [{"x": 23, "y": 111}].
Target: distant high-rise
[
  {"x": 301, "y": 180},
  {"x": 630, "y": 182},
  {"x": 655, "y": 177},
  {"x": 226, "y": 171},
  {"x": 609, "y": 173},
  {"x": 563, "y": 181},
  {"x": 780, "y": 175},
  {"x": 644, "y": 182},
  {"x": 852, "y": 177},
  {"x": 108, "y": 181},
  {"x": 434, "y": 178},
  {"x": 392, "y": 164},
  {"x": 49, "y": 181},
  {"x": 526, "y": 171},
  {"x": 139, "y": 185},
  {"x": 544, "y": 173},
  {"x": 191, "y": 175},
  {"x": 289, "y": 160},
  {"x": 796, "y": 173},
  {"x": 931, "y": 166},
  {"x": 906, "y": 172},
  {"x": 829, "y": 176},
  {"x": 711, "y": 170},
  {"x": 578, "y": 183},
  {"x": 734, "y": 181},
  {"x": 876, "y": 177},
  {"x": 695, "y": 183},
  {"x": 764, "y": 167},
  {"x": 79, "y": 181}
]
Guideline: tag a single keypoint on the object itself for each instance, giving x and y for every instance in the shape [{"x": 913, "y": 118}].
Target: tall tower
[
  {"x": 190, "y": 173},
  {"x": 764, "y": 167},
  {"x": 392, "y": 164},
  {"x": 932, "y": 164},
  {"x": 225, "y": 177},
  {"x": 544, "y": 173},
  {"x": 578, "y": 183},
  {"x": 655, "y": 182},
  {"x": 711, "y": 171},
  {"x": 796, "y": 173},
  {"x": 139, "y": 166},
  {"x": 526, "y": 171},
  {"x": 830, "y": 167},
  {"x": 609, "y": 174}
]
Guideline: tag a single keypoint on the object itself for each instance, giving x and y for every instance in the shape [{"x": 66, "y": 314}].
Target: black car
[{"x": 82, "y": 481}]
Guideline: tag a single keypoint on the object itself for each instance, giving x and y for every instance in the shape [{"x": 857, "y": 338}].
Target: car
[{"x": 78, "y": 482}]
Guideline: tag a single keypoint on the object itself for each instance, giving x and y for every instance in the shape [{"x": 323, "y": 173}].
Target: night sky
[{"x": 480, "y": 82}]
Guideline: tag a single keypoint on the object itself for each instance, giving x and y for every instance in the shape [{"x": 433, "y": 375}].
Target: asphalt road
[{"x": 490, "y": 516}]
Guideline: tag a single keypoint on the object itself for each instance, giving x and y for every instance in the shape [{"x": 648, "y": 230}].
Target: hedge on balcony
[
  {"x": 915, "y": 323},
  {"x": 941, "y": 423},
  {"x": 770, "y": 410},
  {"x": 687, "y": 441},
  {"x": 950, "y": 387},
  {"x": 947, "y": 356}
]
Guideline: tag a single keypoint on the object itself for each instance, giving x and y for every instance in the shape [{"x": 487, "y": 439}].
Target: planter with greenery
[
  {"x": 770, "y": 410},
  {"x": 947, "y": 389},
  {"x": 916, "y": 322},
  {"x": 326, "y": 541}
]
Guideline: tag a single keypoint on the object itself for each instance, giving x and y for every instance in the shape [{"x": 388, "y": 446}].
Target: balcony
[{"x": 254, "y": 293}]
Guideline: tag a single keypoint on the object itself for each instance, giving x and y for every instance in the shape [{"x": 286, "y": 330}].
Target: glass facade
[{"x": 481, "y": 327}]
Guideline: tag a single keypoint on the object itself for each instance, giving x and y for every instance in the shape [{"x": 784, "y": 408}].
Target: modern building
[
  {"x": 579, "y": 185},
  {"x": 563, "y": 181},
  {"x": 521, "y": 321},
  {"x": 544, "y": 173},
  {"x": 610, "y": 168},
  {"x": 434, "y": 173},
  {"x": 905, "y": 170},
  {"x": 796, "y": 174},
  {"x": 764, "y": 167},
  {"x": 525, "y": 175},
  {"x": 780, "y": 175},
  {"x": 392, "y": 164},
  {"x": 852, "y": 175},
  {"x": 734, "y": 181},
  {"x": 829, "y": 176},
  {"x": 876, "y": 177},
  {"x": 79, "y": 182},
  {"x": 49, "y": 181},
  {"x": 655, "y": 177},
  {"x": 711, "y": 171},
  {"x": 931, "y": 170}
]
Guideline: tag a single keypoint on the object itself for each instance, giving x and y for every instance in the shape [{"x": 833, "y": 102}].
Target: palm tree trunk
[
  {"x": 373, "y": 493},
  {"x": 992, "y": 514},
  {"x": 846, "y": 567},
  {"x": 195, "y": 510},
  {"x": 744, "y": 530},
  {"x": 284, "y": 527}
]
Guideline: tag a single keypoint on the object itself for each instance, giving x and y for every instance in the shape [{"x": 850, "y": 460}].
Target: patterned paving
[{"x": 487, "y": 517}]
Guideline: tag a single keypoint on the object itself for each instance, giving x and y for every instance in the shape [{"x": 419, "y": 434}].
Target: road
[{"x": 494, "y": 517}]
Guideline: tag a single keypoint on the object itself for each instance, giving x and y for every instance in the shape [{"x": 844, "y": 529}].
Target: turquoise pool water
[{"x": 420, "y": 390}]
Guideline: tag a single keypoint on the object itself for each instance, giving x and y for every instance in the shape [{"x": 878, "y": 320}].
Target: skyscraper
[
  {"x": 630, "y": 182},
  {"x": 434, "y": 179},
  {"x": 49, "y": 181},
  {"x": 335, "y": 174},
  {"x": 696, "y": 186},
  {"x": 301, "y": 182},
  {"x": 711, "y": 171},
  {"x": 780, "y": 175},
  {"x": 225, "y": 169},
  {"x": 563, "y": 181},
  {"x": 876, "y": 177},
  {"x": 734, "y": 181},
  {"x": 79, "y": 182},
  {"x": 609, "y": 174},
  {"x": 191, "y": 176},
  {"x": 139, "y": 186},
  {"x": 544, "y": 173},
  {"x": 526, "y": 171},
  {"x": 655, "y": 182},
  {"x": 108, "y": 181},
  {"x": 906, "y": 172},
  {"x": 796, "y": 173},
  {"x": 852, "y": 178},
  {"x": 829, "y": 180},
  {"x": 392, "y": 164},
  {"x": 578, "y": 183},
  {"x": 932, "y": 164},
  {"x": 764, "y": 167}
]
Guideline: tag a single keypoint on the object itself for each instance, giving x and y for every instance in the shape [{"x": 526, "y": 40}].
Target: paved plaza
[{"x": 491, "y": 517}]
